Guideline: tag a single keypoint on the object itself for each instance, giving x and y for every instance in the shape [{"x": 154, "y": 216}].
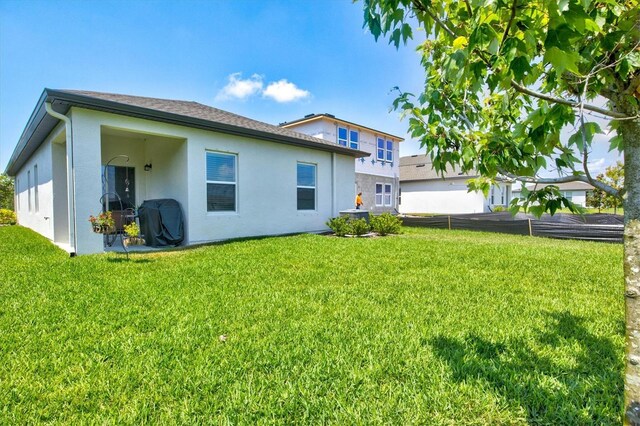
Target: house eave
[{"x": 41, "y": 124}]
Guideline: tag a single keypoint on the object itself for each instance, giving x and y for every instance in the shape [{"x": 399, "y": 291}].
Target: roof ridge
[{"x": 93, "y": 92}]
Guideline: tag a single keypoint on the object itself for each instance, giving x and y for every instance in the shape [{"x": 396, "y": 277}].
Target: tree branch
[
  {"x": 466, "y": 2},
  {"x": 572, "y": 104},
  {"x": 511, "y": 18},
  {"x": 551, "y": 181},
  {"x": 433, "y": 16}
]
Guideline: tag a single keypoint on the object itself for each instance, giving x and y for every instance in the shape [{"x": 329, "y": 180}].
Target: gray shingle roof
[
  {"x": 200, "y": 111},
  {"x": 184, "y": 113},
  {"x": 419, "y": 167}
]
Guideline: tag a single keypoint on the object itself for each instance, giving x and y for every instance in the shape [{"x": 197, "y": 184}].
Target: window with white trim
[
  {"x": 348, "y": 137},
  {"x": 385, "y": 150},
  {"x": 384, "y": 194},
  {"x": 29, "y": 190},
  {"x": 36, "y": 202},
  {"x": 567, "y": 194},
  {"x": 342, "y": 136},
  {"x": 306, "y": 186},
  {"x": 497, "y": 194},
  {"x": 221, "y": 182},
  {"x": 354, "y": 139},
  {"x": 379, "y": 197},
  {"x": 387, "y": 194}
]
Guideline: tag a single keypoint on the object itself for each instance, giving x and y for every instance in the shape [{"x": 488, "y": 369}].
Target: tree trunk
[{"x": 630, "y": 132}]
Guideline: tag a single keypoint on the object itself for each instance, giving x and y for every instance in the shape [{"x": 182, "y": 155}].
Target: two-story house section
[{"x": 377, "y": 176}]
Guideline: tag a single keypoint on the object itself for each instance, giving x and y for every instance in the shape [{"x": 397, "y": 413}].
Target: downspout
[
  {"x": 71, "y": 182},
  {"x": 333, "y": 185}
]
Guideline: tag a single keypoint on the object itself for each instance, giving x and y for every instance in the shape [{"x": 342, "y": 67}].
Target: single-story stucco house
[
  {"x": 232, "y": 176},
  {"x": 576, "y": 192},
  {"x": 424, "y": 190}
]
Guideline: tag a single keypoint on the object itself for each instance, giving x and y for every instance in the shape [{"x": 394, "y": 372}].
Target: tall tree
[
  {"x": 6, "y": 192},
  {"x": 504, "y": 77},
  {"x": 614, "y": 177}
]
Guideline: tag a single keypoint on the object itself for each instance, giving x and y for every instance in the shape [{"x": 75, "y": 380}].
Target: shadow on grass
[
  {"x": 123, "y": 259},
  {"x": 566, "y": 375}
]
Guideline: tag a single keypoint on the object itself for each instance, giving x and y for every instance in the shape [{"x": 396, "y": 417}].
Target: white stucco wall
[
  {"x": 40, "y": 217},
  {"x": 267, "y": 177}
]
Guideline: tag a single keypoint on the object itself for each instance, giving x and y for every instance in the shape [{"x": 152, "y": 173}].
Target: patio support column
[{"x": 87, "y": 169}]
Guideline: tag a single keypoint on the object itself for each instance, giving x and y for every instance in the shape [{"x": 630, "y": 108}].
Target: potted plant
[
  {"x": 132, "y": 232},
  {"x": 103, "y": 223}
]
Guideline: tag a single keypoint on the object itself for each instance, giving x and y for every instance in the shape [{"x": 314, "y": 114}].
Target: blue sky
[{"x": 273, "y": 61}]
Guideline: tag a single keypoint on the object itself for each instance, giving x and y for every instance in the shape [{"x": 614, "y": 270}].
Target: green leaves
[
  {"x": 585, "y": 134},
  {"x": 562, "y": 60},
  {"x": 492, "y": 76}
]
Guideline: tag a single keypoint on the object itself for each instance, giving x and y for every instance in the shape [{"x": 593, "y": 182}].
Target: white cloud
[
  {"x": 596, "y": 166},
  {"x": 237, "y": 88},
  {"x": 284, "y": 91}
]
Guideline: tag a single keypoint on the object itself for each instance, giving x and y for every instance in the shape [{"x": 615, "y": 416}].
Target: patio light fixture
[{"x": 147, "y": 167}]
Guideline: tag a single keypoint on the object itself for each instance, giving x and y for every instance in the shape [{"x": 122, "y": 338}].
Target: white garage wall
[{"x": 440, "y": 196}]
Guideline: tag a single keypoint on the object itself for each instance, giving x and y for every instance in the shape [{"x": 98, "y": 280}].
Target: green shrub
[
  {"x": 339, "y": 225},
  {"x": 386, "y": 223},
  {"x": 8, "y": 217},
  {"x": 358, "y": 226},
  {"x": 497, "y": 209}
]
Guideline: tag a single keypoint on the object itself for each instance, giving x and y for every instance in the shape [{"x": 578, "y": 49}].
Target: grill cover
[{"x": 161, "y": 222}]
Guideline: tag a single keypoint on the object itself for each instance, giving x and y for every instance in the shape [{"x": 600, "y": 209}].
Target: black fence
[{"x": 595, "y": 227}]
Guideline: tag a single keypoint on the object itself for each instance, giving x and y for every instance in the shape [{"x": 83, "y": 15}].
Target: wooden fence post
[
  {"x": 449, "y": 222},
  {"x": 530, "y": 232}
]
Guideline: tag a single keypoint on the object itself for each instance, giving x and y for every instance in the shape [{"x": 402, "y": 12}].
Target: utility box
[{"x": 356, "y": 214}]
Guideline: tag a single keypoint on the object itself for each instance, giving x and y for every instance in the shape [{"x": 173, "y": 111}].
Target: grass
[{"x": 430, "y": 327}]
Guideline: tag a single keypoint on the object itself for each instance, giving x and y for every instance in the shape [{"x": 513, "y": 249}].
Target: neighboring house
[
  {"x": 233, "y": 176},
  {"x": 576, "y": 192},
  {"x": 423, "y": 190},
  {"x": 377, "y": 176}
]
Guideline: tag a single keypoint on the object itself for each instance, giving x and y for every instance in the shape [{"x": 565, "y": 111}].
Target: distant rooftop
[
  {"x": 420, "y": 167},
  {"x": 313, "y": 117}
]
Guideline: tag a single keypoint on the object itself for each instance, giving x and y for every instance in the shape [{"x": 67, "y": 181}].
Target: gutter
[
  {"x": 71, "y": 181},
  {"x": 88, "y": 102}
]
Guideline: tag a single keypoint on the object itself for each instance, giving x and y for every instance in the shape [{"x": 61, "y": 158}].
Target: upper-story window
[
  {"x": 347, "y": 137},
  {"x": 354, "y": 139},
  {"x": 385, "y": 150},
  {"x": 342, "y": 136}
]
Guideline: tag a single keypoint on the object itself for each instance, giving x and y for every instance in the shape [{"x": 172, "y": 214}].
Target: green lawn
[{"x": 430, "y": 327}]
